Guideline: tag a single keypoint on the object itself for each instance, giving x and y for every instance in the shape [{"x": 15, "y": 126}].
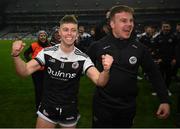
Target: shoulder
[
  {"x": 136, "y": 44},
  {"x": 101, "y": 42},
  {"x": 157, "y": 35},
  {"x": 79, "y": 53},
  {"x": 34, "y": 43},
  {"x": 52, "y": 48}
]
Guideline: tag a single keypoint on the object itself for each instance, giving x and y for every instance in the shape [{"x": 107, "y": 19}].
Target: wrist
[
  {"x": 14, "y": 55},
  {"x": 106, "y": 70}
]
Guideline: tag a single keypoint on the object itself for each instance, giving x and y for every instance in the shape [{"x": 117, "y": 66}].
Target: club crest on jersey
[
  {"x": 132, "y": 60},
  {"x": 75, "y": 65}
]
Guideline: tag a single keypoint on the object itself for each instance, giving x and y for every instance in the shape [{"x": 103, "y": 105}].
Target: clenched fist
[
  {"x": 17, "y": 47},
  {"x": 107, "y": 61}
]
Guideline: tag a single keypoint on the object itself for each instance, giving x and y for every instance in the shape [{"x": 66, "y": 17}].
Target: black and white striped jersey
[{"x": 62, "y": 74}]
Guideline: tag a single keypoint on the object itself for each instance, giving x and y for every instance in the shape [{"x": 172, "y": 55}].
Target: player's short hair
[
  {"x": 120, "y": 8},
  {"x": 68, "y": 19}
]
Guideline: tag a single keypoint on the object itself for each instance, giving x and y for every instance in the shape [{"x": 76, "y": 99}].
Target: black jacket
[{"x": 121, "y": 89}]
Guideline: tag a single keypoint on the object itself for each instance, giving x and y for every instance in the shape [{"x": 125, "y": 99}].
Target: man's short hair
[
  {"x": 119, "y": 9},
  {"x": 68, "y": 19}
]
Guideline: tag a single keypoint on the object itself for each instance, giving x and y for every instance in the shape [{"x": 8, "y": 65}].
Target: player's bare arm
[
  {"x": 23, "y": 69},
  {"x": 100, "y": 79}
]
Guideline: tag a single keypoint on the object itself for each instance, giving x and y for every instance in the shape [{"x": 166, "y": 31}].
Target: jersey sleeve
[
  {"x": 87, "y": 64},
  {"x": 40, "y": 58}
]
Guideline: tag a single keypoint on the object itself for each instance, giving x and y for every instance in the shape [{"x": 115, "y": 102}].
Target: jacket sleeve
[{"x": 155, "y": 77}]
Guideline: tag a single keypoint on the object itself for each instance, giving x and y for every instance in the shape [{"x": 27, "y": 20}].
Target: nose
[{"x": 69, "y": 32}]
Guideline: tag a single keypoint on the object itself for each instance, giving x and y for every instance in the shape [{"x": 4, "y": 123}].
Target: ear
[{"x": 112, "y": 24}]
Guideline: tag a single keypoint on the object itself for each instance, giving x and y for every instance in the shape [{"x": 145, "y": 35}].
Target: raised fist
[
  {"x": 17, "y": 47},
  {"x": 107, "y": 61}
]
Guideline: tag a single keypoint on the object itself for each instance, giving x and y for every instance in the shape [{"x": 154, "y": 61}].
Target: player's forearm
[
  {"x": 20, "y": 66},
  {"x": 103, "y": 78}
]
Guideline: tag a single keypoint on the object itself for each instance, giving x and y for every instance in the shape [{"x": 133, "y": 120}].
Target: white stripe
[
  {"x": 72, "y": 124},
  {"x": 45, "y": 118}
]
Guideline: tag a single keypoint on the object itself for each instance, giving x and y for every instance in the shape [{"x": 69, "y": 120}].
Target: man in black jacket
[
  {"x": 165, "y": 43},
  {"x": 115, "y": 104}
]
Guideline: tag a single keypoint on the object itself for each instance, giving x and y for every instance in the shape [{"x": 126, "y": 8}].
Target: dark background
[{"x": 49, "y": 12}]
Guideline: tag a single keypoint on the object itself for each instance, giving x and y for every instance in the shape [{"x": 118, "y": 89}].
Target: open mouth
[
  {"x": 69, "y": 38},
  {"x": 127, "y": 30}
]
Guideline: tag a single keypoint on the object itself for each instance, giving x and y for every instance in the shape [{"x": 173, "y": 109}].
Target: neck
[{"x": 66, "y": 48}]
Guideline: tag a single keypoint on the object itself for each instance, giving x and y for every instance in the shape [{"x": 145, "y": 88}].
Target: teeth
[{"x": 68, "y": 38}]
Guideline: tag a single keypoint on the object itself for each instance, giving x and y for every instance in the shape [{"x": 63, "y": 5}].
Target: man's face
[
  {"x": 68, "y": 33},
  {"x": 81, "y": 30},
  {"x": 166, "y": 28},
  {"x": 149, "y": 31},
  {"x": 122, "y": 25},
  {"x": 57, "y": 36},
  {"x": 42, "y": 37}
]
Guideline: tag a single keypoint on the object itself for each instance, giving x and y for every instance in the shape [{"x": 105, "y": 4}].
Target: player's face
[
  {"x": 68, "y": 33},
  {"x": 122, "y": 25}
]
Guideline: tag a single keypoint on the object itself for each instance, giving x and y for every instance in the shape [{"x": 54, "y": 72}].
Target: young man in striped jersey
[{"x": 64, "y": 64}]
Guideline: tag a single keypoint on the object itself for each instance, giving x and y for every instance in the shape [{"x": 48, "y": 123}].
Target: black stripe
[
  {"x": 78, "y": 52},
  {"x": 54, "y": 48},
  {"x": 88, "y": 68},
  {"x": 39, "y": 61}
]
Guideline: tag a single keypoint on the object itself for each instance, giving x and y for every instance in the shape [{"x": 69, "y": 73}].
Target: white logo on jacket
[{"x": 132, "y": 60}]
